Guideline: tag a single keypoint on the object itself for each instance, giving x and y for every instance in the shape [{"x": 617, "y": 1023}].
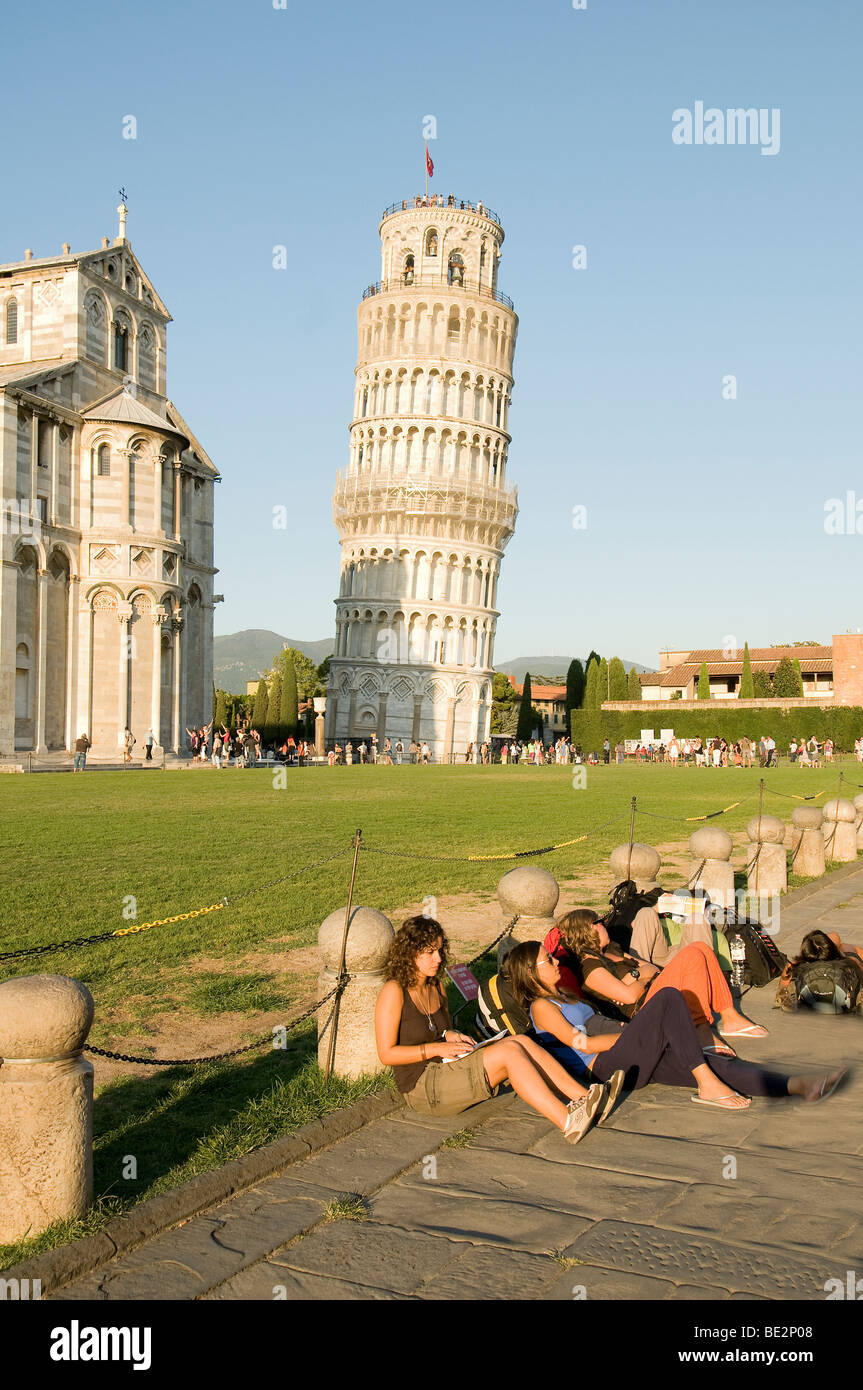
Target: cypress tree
[
  {"x": 594, "y": 656},
  {"x": 633, "y": 685},
  {"x": 703, "y": 682},
  {"x": 602, "y": 683},
  {"x": 524, "y": 729},
  {"x": 274, "y": 709},
  {"x": 288, "y": 712},
  {"x": 747, "y": 687},
  {"x": 617, "y": 679},
  {"x": 259, "y": 713},
  {"x": 574, "y": 687},
  {"x": 798, "y": 676},
  {"x": 220, "y": 716},
  {"x": 591, "y": 685}
]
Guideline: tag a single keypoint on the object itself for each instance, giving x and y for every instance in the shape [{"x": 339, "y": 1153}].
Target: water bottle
[{"x": 738, "y": 961}]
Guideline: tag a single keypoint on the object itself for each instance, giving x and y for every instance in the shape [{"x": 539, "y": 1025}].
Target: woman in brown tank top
[{"x": 439, "y": 1071}]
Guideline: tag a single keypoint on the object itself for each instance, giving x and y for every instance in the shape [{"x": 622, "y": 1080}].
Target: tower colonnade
[{"x": 422, "y": 508}]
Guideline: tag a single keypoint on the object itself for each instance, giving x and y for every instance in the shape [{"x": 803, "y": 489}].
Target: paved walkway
[{"x": 666, "y": 1202}]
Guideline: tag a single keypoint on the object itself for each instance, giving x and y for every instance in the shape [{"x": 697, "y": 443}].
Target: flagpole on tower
[{"x": 427, "y": 171}]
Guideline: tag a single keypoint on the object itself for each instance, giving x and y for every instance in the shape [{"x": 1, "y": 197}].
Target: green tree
[
  {"x": 591, "y": 686},
  {"x": 288, "y": 711},
  {"x": 633, "y": 685},
  {"x": 602, "y": 683},
  {"x": 747, "y": 687},
  {"x": 617, "y": 679},
  {"x": 323, "y": 672},
  {"x": 798, "y": 676},
  {"x": 762, "y": 685},
  {"x": 594, "y": 656},
  {"x": 259, "y": 712},
  {"x": 574, "y": 687},
  {"x": 526, "y": 721},
  {"x": 220, "y": 716},
  {"x": 785, "y": 680},
  {"x": 306, "y": 673},
  {"x": 274, "y": 709},
  {"x": 703, "y": 682},
  {"x": 503, "y": 704}
]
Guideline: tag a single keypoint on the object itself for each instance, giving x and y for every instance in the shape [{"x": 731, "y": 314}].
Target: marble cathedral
[{"x": 106, "y": 527}]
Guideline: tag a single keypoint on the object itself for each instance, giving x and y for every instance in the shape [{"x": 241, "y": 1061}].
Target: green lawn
[{"x": 74, "y": 848}]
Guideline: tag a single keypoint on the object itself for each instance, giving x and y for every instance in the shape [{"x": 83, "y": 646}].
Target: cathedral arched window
[
  {"x": 103, "y": 467},
  {"x": 121, "y": 347},
  {"x": 12, "y": 321},
  {"x": 455, "y": 269}
]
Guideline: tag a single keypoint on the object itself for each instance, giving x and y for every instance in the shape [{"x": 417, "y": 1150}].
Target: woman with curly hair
[
  {"x": 442, "y": 1072},
  {"x": 612, "y": 977},
  {"x": 660, "y": 1044}
]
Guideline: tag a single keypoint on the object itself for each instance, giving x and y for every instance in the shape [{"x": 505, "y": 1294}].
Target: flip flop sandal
[
  {"x": 838, "y": 1081},
  {"x": 753, "y": 1031},
  {"x": 719, "y": 1051},
  {"x": 720, "y": 1103}
]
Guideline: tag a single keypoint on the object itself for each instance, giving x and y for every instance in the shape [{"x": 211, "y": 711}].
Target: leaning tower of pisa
[{"x": 423, "y": 508}]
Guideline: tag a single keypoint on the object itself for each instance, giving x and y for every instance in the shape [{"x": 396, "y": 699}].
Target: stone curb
[
  {"x": 125, "y": 1233},
  {"x": 806, "y": 890}
]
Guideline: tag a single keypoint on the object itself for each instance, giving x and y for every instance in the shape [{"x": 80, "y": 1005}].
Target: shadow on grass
[{"x": 154, "y": 1133}]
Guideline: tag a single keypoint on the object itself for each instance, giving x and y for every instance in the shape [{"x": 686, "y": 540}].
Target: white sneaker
[{"x": 582, "y": 1114}]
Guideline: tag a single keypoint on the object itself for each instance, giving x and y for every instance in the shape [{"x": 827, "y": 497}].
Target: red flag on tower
[{"x": 429, "y": 164}]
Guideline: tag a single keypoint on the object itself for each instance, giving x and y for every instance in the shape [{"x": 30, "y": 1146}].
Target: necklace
[{"x": 432, "y": 1028}]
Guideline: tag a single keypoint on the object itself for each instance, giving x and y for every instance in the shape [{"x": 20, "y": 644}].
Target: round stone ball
[
  {"x": 858, "y": 802},
  {"x": 770, "y": 830},
  {"x": 643, "y": 865},
  {"x": 839, "y": 810},
  {"x": 528, "y": 890},
  {"x": 807, "y": 817},
  {"x": 370, "y": 935},
  {"x": 43, "y": 1016},
  {"x": 711, "y": 842}
]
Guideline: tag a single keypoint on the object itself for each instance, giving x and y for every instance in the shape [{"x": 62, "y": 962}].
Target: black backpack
[
  {"x": 764, "y": 960},
  {"x": 497, "y": 1010},
  {"x": 829, "y": 986}
]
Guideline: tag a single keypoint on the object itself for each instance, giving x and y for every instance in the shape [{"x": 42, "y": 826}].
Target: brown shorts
[{"x": 447, "y": 1088}]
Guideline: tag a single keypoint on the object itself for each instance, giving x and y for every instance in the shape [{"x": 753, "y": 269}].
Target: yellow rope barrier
[
  {"x": 165, "y": 921},
  {"x": 711, "y": 814}
]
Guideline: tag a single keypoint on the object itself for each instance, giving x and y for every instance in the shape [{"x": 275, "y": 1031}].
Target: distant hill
[
  {"x": 239, "y": 657},
  {"x": 549, "y": 666}
]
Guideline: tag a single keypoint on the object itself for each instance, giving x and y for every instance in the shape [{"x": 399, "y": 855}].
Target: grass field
[{"x": 75, "y": 850}]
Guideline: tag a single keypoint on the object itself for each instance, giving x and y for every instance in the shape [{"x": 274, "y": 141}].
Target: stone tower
[{"x": 423, "y": 509}]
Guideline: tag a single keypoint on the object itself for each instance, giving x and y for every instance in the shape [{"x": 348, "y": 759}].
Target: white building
[
  {"x": 423, "y": 509},
  {"x": 106, "y": 580}
]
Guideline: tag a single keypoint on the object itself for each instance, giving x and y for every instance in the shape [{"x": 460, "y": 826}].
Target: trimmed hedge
[{"x": 843, "y": 724}]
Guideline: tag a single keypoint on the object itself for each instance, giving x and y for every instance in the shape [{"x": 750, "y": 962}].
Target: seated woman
[
  {"x": 660, "y": 1043},
  {"x": 615, "y": 978},
  {"x": 439, "y": 1071},
  {"x": 823, "y": 945}
]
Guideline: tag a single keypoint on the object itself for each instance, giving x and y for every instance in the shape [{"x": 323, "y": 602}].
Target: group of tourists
[
  {"x": 390, "y": 755},
  {"x": 244, "y": 745},
  {"x": 602, "y": 1005}
]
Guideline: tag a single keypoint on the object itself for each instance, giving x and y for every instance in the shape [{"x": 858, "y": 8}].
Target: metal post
[
  {"x": 631, "y": 837},
  {"x": 335, "y": 1023}
]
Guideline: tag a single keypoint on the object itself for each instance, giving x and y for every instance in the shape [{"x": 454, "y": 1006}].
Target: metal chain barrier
[
  {"x": 687, "y": 820},
  {"x": 218, "y": 1056},
  {"x": 488, "y": 858},
  {"x": 165, "y": 921},
  {"x": 792, "y": 796},
  {"x": 485, "y": 950}
]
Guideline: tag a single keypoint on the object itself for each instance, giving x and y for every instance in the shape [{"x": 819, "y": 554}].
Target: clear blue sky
[{"x": 259, "y": 127}]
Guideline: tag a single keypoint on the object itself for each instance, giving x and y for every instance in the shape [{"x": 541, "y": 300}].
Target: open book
[{"x": 485, "y": 1042}]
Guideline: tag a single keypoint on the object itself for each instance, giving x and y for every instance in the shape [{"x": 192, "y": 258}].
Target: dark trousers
[{"x": 661, "y": 1044}]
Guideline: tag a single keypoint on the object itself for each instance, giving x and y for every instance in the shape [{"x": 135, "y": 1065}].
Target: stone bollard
[
  {"x": 840, "y": 832},
  {"x": 858, "y": 803},
  {"x": 531, "y": 892},
  {"x": 644, "y": 865},
  {"x": 46, "y": 1104},
  {"x": 370, "y": 936},
  {"x": 767, "y": 862},
  {"x": 807, "y": 842},
  {"x": 712, "y": 870}
]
